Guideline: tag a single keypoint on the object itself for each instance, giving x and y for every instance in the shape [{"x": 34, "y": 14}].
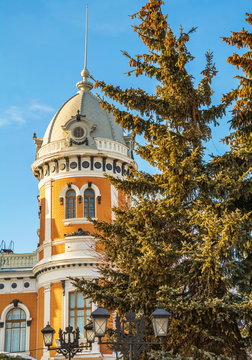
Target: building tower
[{"x": 81, "y": 144}]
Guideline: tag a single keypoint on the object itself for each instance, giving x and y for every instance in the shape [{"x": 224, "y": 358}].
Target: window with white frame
[
  {"x": 79, "y": 311},
  {"x": 15, "y": 331},
  {"x": 89, "y": 203},
  {"x": 70, "y": 204}
]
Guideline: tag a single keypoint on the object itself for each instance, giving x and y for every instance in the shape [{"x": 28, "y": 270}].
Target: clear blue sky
[{"x": 41, "y": 45}]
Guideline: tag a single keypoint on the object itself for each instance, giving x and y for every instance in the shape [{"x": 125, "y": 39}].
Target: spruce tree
[{"x": 185, "y": 241}]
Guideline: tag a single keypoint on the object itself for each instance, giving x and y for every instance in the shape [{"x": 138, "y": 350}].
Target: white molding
[
  {"x": 67, "y": 175},
  {"x": 76, "y": 221},
  {"x": 93, "y": 186},
  {"x": 3, "y": 319},
  {"x": 48, "y": 215},
  {"x": 106, "y": 145},
  {"x": 66, "y": 188},
  {"x": 96, "y": 153},
  {"x": 47, "y": 303},
  {"x": 87, "y": 272}
]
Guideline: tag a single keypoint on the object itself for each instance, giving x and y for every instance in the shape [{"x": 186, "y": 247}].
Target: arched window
[
  {"x": 89, "y": 203},
  {"x": 15, "y": 332},
  {"x": 70, "y": 204}
]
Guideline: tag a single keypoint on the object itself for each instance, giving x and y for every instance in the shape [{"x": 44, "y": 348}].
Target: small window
[
  {"x": 89, "y": 203},
  {"x": 70, "y": 204},
  {"x": 15, "y": 333},
  {"x": 78, "y": 132},
  {"x": 79, "y": 311}
]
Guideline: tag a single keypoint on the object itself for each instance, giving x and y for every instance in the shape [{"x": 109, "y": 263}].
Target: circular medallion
[
  {"x": 109, "y": 167},
  {"x": 118, "y": 169},
  {"x": 13, "y": 285},
  {"x": 85, "y": 164},
  {"x": 52, "y": 168},
  {"x": 26, "y": 284},
  {"x": 1, "y": 286},
  {"x": 62, "y": 166},
  {"x": 97, "y": 165},
  {"x": 73, "y": 165}
]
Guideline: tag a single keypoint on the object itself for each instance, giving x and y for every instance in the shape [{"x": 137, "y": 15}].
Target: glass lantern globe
[
  {"x": 100, "y": 317},
  {"x": 90, "y": 332},
  {"x": 48, "y": 333},
  {"x": 160, "y": 319}
]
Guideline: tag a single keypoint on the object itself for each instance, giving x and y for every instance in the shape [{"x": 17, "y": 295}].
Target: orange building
[{"x": 81, "y": 144}]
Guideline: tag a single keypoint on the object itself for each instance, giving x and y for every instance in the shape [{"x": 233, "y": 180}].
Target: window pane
[
  {"x": 92, "y": 213},
  {"x": 15, "y": 340},
  {"x": 71, "y": 322},
  {"x": 71, "y": 300},
  {"x": 16, "y": 314},
  {"x": 89, "y": 203},
  {"x": 70, "y": 204},
  {"x": 89, "y": 192},
  {"x": 22, "y": 315},
  {"x": 22, "y": 340},
  {"x": 87, "y": 302},
  {"x": 80, "y": 324},
  {"x": 80, "y": 300},
  {"x": 7, "y": 340}
]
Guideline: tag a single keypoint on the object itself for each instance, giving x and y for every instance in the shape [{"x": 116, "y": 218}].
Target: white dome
[{"x": 87, "y": 105}]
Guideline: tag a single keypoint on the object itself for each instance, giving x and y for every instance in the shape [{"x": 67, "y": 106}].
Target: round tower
[{"x": 81, "y": 144}]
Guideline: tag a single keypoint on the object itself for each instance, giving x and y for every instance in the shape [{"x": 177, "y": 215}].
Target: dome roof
[{"x": 87, "y": 105}]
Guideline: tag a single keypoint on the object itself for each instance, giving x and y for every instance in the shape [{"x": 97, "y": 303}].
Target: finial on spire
[{"x": 85, "y": 84}]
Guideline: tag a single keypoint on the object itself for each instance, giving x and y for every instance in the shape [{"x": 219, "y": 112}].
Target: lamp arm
[{"x": 161, "y": 342}]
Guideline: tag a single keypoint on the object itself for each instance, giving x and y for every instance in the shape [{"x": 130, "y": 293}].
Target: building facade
[{"x": 81, "y": 144}]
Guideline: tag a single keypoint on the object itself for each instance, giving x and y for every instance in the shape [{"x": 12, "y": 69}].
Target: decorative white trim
[
  {"x": 3, "y": 319},
  {"x": 93, "y": 186},
  {"x": 107, "y": 145},
  {"x": 66, "y": 188},
  {"x": 80, "y": 174},
  {"x": 76, "y": 221},
  {"x": 47, "y": 302}
]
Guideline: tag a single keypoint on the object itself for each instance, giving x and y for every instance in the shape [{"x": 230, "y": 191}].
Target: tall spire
[
  {"x": 85, "y": 84},
  {"x": 86, "y": 40}
]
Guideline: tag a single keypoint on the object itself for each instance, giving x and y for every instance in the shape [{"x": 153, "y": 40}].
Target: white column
[
  {"x": 114, "y": 199},
  {"x": 47, "y": 314},
  {"x": 48, "y": 219}
]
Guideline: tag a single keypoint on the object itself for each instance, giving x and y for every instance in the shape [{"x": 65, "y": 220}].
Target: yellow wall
[
  {"x": 56, "y": 309},
  {"x": 58, "y": 210}
]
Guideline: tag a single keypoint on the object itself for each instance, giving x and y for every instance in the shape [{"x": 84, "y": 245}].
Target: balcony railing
[{"x": 17, "y": 261}]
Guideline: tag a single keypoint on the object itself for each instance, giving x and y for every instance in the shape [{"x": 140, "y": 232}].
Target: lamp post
[
  {"x": 130, "y": 330},
  {"x": 68, "y": 342}
]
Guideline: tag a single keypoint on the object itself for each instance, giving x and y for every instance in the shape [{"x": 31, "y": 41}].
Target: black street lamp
[
  {"x": 68, "y": 340},
  {"x": 130, "y": 331}
]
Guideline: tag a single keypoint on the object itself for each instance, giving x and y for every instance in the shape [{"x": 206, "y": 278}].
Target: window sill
[{"x": 76, "y": 221}]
